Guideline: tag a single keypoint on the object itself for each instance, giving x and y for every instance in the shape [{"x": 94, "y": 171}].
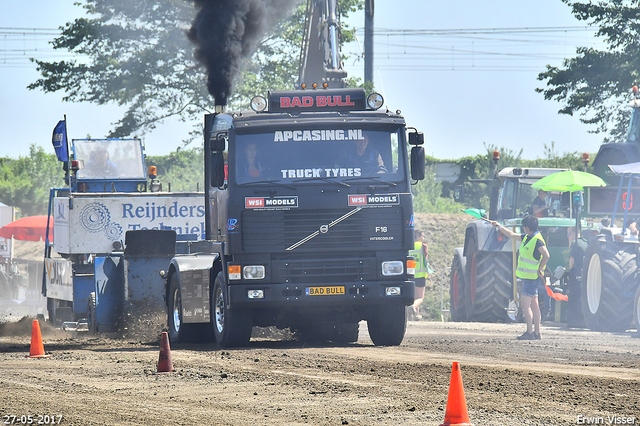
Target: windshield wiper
[
  {"x": 324, "y": 179},
  {"x": 275, "y": 182},
  {"x": 374, "y": 179}
]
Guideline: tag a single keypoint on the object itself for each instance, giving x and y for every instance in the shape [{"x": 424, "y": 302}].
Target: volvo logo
[{"x": 324, "y": 229}]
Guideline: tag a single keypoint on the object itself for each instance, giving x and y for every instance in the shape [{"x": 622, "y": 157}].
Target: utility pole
[{"x": 368, "y": 41}]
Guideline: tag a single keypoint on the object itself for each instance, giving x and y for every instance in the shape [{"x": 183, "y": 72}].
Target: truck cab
[{"x": 309, "y": 222}]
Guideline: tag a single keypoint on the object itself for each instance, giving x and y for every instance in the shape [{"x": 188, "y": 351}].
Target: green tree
[
  {"x": 137, "y": 55},
  {"x": 183, "y": 170},
  {"x": 596, "y": 83},
  {"x": 25, "y": 182}
]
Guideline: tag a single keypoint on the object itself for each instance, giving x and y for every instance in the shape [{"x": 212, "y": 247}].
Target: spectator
[
  {"x": 532, "y": 261},
  {"x": 419, "y": 253}
]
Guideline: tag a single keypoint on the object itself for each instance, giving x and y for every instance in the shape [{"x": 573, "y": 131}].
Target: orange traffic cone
[
  {"x": 165, "y": 365},
  {"x": 37, "y": 348},
  {"x": 456, "y": 414}
]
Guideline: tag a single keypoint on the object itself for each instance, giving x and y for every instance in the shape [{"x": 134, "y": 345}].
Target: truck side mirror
[
  {"x": 416, "y": 138},
  {"x": 217, "y": 163},
  {"x": 219, "y": 169},
  {"x": 417, "y": 162}
]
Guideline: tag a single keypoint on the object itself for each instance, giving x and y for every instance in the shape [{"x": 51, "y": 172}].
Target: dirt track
[{"x": 98, "y": 380}]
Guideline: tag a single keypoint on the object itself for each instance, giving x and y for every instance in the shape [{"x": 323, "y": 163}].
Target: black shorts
[{"x": 420, "y": 282}]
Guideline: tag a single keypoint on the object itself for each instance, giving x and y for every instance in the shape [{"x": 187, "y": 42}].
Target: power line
[{"x": 477, "y": 49}]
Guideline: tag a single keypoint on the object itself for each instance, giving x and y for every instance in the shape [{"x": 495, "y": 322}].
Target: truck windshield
[
  {"x": 106, "y": 159},
  {"x": 319, "y": 155}
]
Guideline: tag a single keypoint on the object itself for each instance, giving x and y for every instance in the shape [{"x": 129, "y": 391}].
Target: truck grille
[
  {"x": 307, "y": 271},
  {"x": 275, "y": 231}
]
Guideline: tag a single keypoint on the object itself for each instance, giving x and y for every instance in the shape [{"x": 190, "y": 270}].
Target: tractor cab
[
  {"x": 516, "y": 194},
  {"x": 108, "y": 165}
]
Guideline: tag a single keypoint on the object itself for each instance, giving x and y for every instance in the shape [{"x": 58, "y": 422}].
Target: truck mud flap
[{"x": 194, "y": 273}]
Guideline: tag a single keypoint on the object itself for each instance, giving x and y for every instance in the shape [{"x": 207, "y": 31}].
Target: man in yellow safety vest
[
  {"x": 419, "y": 253},
  {"x": 532, "y": 260}
]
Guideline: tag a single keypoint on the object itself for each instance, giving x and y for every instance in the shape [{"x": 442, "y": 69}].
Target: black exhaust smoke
[{"x": 227, "y": 31}]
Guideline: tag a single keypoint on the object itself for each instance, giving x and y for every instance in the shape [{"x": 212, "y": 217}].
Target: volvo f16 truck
[{"x": 309, "y": 220}]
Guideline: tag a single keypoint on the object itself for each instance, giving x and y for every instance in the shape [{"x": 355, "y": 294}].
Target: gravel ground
[{"x": 568, "y": 377}]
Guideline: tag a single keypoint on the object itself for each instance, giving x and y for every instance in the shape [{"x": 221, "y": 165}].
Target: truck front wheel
[
  {"x": 232, "y": 327},
  {"x": 179, "y": 332},
  {"x": 387, "y": 325}
]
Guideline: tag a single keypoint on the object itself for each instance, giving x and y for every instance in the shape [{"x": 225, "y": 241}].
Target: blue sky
[{"x": 461, "y": 88}]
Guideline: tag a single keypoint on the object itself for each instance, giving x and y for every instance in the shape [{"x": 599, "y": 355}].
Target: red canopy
[{"x": 31, "y": 228}]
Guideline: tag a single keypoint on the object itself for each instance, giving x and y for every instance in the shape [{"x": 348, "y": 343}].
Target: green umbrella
[
  {"x": 479, "y": 213},
  {"x": 568, "y": 181}
]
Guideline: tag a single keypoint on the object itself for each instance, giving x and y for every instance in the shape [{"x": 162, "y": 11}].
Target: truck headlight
[
  {"x": 253, "y": 272},
  {"x": 393, "y": 267}
]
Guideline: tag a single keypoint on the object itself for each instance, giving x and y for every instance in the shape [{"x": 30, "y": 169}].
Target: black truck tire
[
  {"x": 59, "y": 311},
  {"x": 231, "y": 327},
  {"x": 179, "y": 332},
  {"x": 610, "y": 271},
  {"x": 387, "y": 325},
  {"x": 457, "y": 284},
  {"x": 493, "y": 275},
  {"x": 92, "y": 320}
]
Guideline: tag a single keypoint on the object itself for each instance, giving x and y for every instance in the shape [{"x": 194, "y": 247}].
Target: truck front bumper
[{"x": 264, "y": 295}]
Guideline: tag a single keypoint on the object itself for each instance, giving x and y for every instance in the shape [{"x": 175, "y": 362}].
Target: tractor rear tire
[
  {"x": 493, "y": 288},
  {"x": 609, "y": 278},
  {"x": 456, "y": 291}
]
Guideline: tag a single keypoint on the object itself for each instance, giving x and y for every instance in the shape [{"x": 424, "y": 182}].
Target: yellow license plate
[{"x": 325, "y": 291}]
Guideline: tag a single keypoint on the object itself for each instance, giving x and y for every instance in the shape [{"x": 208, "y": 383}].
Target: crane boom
[{"x": 320, "y": 60}]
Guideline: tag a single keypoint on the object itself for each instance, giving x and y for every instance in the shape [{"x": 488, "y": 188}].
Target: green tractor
[
  {"x": 610, "y": 278},
  {"x": 482, "y": 276}
]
